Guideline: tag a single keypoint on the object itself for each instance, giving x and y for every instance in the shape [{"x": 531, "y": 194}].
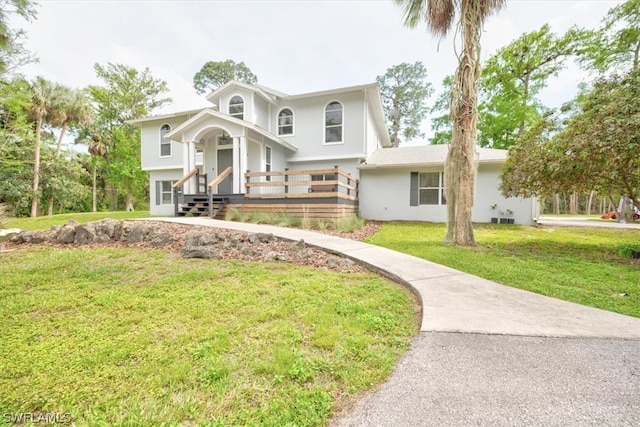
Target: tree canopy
[
  {"x": 404, "y": 89},
  {"x": 212, "y": 75},
  {"x": 597, "y": 149}
]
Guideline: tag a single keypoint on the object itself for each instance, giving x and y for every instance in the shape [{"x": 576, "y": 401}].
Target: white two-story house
[{"x": 256, "y": 146}]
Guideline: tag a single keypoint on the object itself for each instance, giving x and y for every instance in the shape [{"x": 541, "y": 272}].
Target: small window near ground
[
  {"x": 285, "y": 122},
  {"x": 164, "y": 192},
  {"x": 333, "y": 123},
  {"x": 427, "y": 188},
  {"x": 432, "y": 188},
  {"x": 236, "y": 107},
  {"x": 165, "y": 143}
]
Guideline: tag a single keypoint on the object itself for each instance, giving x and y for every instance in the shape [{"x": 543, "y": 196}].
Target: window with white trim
[
  {"x": 285, "y": 122},
  {"x": 267, "y": 161},
  {"x": 333, "y": 122},
  {"x": 164, "y": 192},
  {"x": 165, "y": 143},
  {"x": 236, "y": 107},
  {"x": 427, "y": 188}
]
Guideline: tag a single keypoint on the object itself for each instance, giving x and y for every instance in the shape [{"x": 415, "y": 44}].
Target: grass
[
  {"x": 46, "y": 222},
  {"x": 126, "y": 337},
  {"x": 582, "y": 265}
]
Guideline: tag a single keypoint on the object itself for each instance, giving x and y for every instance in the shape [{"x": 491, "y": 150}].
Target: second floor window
[
  {"x": 165, "y": 143},
  {"x": 333, "y": 122},
  {"x": 285, "y": 122},
  {"x": 236, "y": 107}
]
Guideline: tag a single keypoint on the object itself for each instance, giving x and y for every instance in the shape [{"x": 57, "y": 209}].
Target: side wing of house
[{"x": 408, "y": 184}]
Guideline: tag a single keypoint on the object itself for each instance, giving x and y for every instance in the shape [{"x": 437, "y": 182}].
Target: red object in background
[{"x": 612, "y": 215}]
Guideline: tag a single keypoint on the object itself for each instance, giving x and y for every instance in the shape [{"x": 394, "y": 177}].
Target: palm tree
[
  {"x": 460, "y": 167},
  {"x": 73, "y": 108},
  {"x": 43, "y": 93}
]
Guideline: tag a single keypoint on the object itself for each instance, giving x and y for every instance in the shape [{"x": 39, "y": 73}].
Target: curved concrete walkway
[{"x": 488, "y": 354}]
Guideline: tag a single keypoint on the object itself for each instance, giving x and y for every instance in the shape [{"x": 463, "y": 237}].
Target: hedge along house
[
  {"x": 407, "y": 183},
  {"x": 321, "y": 154}
]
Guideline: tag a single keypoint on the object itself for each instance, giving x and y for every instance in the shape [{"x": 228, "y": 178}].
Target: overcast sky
[{"x": 294, "y": 46}]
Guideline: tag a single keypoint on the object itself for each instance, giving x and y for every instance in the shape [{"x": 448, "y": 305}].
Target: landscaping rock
[
  {"x": 137, "y": 233},
  {"x": 85, "y": 234},
  {"x": 206, "y": 252},
  {"x": 67, "y": 233}
]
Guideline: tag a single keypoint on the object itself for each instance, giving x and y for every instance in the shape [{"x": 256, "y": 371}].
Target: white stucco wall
[
  {"x": 385, "y": 196},
  {"x": 150, "y": 145},
  {"x": 165, "y": 175}
]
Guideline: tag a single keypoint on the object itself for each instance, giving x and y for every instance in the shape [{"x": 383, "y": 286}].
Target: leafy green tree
[
  {"x": 75, "y": 110},
  {"x": 404, "y": 90},
  {"x": 44, "y": 108},
  {"x": 596, "y": 150},
  {"x": 460, "y": 167},
  {"x": 513, "y": 78},
  {"x": 214, "y": 74},
  {"x": 126, "y": 94},
  {"x": 12, "y": 51},
  {"x": 615, "y": 46},
  {"x": 441, "y": 124}
]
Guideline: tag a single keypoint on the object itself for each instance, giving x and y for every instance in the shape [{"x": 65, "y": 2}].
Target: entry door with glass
[{"x": 225, "y": 159}]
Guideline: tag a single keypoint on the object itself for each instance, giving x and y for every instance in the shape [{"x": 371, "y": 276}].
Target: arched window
[
  {"x": 333, "y": 122},
  {"x": 165, "y": 143},
  {"x": 285, "y": 122},
  {"x": 236, "y": 107}
]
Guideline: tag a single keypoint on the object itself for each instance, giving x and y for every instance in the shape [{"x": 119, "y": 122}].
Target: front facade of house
[{"x": 251, "y": 128}]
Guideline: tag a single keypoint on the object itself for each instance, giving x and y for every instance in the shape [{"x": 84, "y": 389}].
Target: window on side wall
[
  {"x": 285, "y": 122},
  {"x": 164, "y": 192},
  {"x": 165, "y": 143},
  {"x": 333, "y": 119},
  {"x": 267, "y": 161},
  {"x": 236, "y": 107},
  {"x": 427, "y": 188}
]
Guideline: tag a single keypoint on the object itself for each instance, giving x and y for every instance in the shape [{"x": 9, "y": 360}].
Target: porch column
[
  {"x": 243, "y": 164},
  {"x": 190, "y": 162},
  {"x": 236, "y": 165}
]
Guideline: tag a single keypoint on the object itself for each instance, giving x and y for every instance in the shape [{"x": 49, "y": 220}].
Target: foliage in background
[
  {"x": 596, "y": 150},
  {"x": 615, "y": 46},
  {"x": 581, "y": 265},
  {"x": 513, "y": 78},
  {"x": 405, "y": 90},
  {"x": 125, "y": 94},
  {"x": 214, "y": 74},
  {"x": 13, "y": 54}
]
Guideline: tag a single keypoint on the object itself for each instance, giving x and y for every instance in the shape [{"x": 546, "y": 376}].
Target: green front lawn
[
  {"x": 582, "y": 265},
  {"x": 46, "y": 222},
  {"x": 143, "y": 338}
]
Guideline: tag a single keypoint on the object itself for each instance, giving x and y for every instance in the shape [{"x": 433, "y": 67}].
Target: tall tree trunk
[
  {"x": 556, "y": 204},
  {"x": 129, "y": 207},
  {"x": 460, "y": 167},
  {"x": 113, "y": 193},
  {"x": 590, "y": 202},
  {"x": 58, "y": 149},
  {"x": 36, "y": 168},
  {"x": 525, "y": 95},
  {"x": 573, "y": 203},
  {"x": 94, "y": 191}
]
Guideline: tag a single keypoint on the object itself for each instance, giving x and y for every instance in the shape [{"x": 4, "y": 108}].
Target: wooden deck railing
[
  {"x": 225, "y": 173},
  {"x": 309, "y": 183}
]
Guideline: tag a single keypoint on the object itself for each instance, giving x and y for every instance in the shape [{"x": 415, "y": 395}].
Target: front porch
[{"x": 313, "y": 193}]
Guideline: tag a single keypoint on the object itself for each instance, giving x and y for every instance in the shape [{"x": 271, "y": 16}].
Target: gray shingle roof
[{"x": 425, "y": 155}]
